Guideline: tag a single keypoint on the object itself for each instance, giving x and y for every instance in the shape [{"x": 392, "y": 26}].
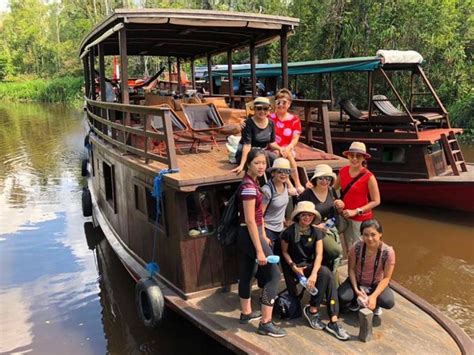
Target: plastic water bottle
[
  {"x": 271, "y": 259},
  {"x": 330, "y": 222},
  {"x": 304, "y": 282}
]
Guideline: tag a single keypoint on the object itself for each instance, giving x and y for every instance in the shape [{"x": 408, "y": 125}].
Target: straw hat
[
  {"x": 323, "y": 170},
  {"x": 261, "y": 101},
  {"x": 308, "y": 207},
  {"x": 357, "y": 147},
  {"x": 281, "y": 164}
]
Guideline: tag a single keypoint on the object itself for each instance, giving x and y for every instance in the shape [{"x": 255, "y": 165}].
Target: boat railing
[{"x": 129, "y": 128}]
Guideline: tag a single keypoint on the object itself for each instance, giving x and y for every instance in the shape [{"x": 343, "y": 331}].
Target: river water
[{"x": 59, "y": 296}]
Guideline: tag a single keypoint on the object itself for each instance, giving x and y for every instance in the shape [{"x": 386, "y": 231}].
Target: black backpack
[
  {"x": 228, "y": 228},
  {"x": 287, "y": 306}
]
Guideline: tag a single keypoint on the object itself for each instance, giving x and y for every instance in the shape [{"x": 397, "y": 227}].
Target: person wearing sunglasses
[
  {"x": 287, "y": 133},
  {"x": 258, "y": 132},
  {"x": 324, "y": 197},
  {"x": 359, "y": 193}
]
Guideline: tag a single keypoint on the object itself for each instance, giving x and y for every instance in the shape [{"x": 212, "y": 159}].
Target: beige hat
[
  {"x": 357, "y": 147},
  {"x": 261, "y": 101},
  {"x": 281, "y": 164},
  {"x": 323, "y": 170},
  {"x": 306, "y": 206}
]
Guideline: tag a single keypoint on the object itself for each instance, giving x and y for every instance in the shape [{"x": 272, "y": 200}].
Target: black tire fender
[
  {"x": 150, "y": 302},
  {"x": 84, "y": 171},
  {"x": 86, "y": 202}
]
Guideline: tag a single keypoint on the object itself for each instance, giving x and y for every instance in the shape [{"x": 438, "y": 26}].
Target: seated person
[
  {"x": 302, "y": 249},
  {"x": 371, "y": 264}
]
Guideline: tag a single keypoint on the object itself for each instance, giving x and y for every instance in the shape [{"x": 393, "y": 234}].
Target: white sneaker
[{"x": 378, "y": 311}]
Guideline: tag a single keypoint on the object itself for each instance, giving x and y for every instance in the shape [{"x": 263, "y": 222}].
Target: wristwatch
[{"x": 359, "y": 211}]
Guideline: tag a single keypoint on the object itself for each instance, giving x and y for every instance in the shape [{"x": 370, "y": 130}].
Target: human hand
[
  {"x": 349, "y": 213},
  {"x": 238, "y": 169},
  {"x": 299, "y": 270},
  {"x": 321, "y": 226},
  {"x": 372, "y": 302},
  {"x": 268, "y": 241},
  {"x": 242, "y": 125},
  {"x": 312, "y": 281},
  {"x": 339, "y": 204},
  {"x": 261, "y": 259},
  {"x": 309, "y": 185},
  {"x": 360, "y": 293}
]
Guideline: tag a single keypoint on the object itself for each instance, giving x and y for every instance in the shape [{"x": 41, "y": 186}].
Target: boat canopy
[{"x": 185, "y": 34}]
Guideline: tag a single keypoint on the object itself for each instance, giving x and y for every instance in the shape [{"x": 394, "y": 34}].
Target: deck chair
[
  {"x": 204, "y": 123},
  {"x": 351, "y": 110}
]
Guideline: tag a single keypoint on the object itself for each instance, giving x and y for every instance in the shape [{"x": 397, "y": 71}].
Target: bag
[
  {"x": 228, "y": 228},
  {"x": 287, "y": 306}
]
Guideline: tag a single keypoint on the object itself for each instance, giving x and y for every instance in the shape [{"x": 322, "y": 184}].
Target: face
[
  {"x": 306, "y": 219},
  {"x": 324, "y": 181},
  {"x": 280, "y": 174},
  {"x": 282, "y": 104},
  {"x": 258, "y": 165},
  {"x": 261, "y": 111},
  {"x": 371, "y": 236},
  {"x": 355, "y": 159}
]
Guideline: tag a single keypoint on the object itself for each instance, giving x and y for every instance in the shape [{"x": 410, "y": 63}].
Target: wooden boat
[
  {"x": 415, "y": 153},
  {"x": 156, "y": 201}
]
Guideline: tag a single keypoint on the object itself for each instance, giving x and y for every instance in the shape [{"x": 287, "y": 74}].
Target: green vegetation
[{"x": 39, "y": 39}]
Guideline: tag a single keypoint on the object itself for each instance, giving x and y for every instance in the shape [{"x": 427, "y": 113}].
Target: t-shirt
[
  {"x": 249, "y": 190},
  {"x": 358, "y": 194},
  {"x": 256, "y": 136},
  {"x": 275, "y": 213},
  {"x": 368, "y": 271},
  {"x": 326, "y": 208},
  {"x": 285, "y": 130},
  {"x": 303, "y": 251}
]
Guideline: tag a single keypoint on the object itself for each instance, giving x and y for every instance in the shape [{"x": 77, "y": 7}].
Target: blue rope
[{"x": 152, "y": 267}]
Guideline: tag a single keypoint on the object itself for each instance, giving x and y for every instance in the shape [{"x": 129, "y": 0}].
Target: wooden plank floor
[{"x": 403, "y": 330}]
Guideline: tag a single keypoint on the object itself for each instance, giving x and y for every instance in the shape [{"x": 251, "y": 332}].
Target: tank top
[{"x": 358, "y": 194}]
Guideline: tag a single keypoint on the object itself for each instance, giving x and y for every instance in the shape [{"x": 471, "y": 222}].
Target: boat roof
[{"x": 185, "y": 33}]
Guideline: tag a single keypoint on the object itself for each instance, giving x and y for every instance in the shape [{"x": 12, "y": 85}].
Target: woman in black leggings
[{"x": 253, "y": 249}]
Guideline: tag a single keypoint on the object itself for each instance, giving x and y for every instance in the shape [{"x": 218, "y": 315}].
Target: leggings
[
  {"x": 348, "y": 296},
  {"x": 268, "y": 275},
  {"x": 325, "y": 283}
]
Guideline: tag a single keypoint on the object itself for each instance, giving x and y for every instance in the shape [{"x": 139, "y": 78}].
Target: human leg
[
  {"x": 352, "y": 232},
  {"x": 346, "y": 295},
  {"x": 294, "y": 173},
  {"x": 386, "y": 299}
]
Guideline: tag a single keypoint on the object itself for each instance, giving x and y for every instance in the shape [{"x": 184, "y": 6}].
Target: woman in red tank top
[{"x": 358, "y": 200}]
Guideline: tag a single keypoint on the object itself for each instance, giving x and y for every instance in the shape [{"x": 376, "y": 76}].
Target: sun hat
[
  {"x": 308, "y": 207},
  {"x": 323, "y": 170},
  {"x": 357, "y": 147},
  {"x": 261, "y": 101},
  {"x": 281, "y": 164}
]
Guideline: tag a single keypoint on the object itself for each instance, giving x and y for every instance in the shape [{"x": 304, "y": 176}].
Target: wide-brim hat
[
  {"x": 323, "y": 170},
  {"x": 281, "y": 164},
  {"x": 261, "y": 101},
  {"x": 308, "y": 207},
  {"x": 357, "y": 147}
]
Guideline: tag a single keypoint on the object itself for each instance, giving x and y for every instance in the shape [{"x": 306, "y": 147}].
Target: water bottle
[
  {"x": 304, "y": 282},
  {"x": 330, "y": 222},
  {"x": 271, "y": 259}
]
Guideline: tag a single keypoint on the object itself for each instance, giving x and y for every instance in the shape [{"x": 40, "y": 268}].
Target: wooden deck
[{"x": 405, "y": 329}]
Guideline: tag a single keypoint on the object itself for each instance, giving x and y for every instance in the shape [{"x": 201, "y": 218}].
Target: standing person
[
  {"x": 258, "y": 132},
  {"x": 253, "y": 247},
  {"x": 371, "y": 265},
  {"x": 287, "y": 133},
  {"x": 323, "y": 195},
  {"x": 302, "y": 249},
  {"x": 275, "y": 201},
  {"x": 357, "y": 185}
]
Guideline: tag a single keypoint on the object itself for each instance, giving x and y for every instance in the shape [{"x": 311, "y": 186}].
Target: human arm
[
  {"x": 249, "y": 213},
  {"x": 317, "y": 264},
  {"x": 352, "y": 273},
  {"x": 284, "y": 251},
  {"x": 245, "y": 152},
  {"x": 374, "y": 200}
]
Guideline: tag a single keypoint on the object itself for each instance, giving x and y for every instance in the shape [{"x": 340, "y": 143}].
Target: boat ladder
[{"x": 453, "y": 152}]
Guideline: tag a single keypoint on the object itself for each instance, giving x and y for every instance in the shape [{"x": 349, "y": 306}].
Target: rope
[{"x": 152, "y": 267}]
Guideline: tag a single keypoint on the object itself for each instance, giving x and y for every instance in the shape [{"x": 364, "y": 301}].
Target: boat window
[
  {"x": 200, "y": 219},
  {"x": 140, "y": 199},
  {"x": 393, "y": 155},
  {"x": 109, "y": 182},
  {"x": 151, "y": 208}
]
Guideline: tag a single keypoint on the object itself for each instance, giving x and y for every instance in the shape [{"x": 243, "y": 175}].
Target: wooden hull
[{"x": 453, "y": 195}]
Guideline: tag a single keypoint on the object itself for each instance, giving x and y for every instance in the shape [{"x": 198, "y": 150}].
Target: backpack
[
  {"x": 287, "y": 306},
  {"x": 228, "y": 228}
]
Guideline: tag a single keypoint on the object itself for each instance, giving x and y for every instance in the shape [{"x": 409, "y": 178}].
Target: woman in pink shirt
[{"x": 371, "y": 265}]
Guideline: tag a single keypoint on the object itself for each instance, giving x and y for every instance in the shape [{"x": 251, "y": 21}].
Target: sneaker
[
  {"x": 314, "y": 319},
  {"x": 271, "y": 329},
  {"x": 247, "y": 318},
  {"x": 337, "y": 330},
  {"x": 377, "y": 311},
  {"x": 354, "y": 307}
]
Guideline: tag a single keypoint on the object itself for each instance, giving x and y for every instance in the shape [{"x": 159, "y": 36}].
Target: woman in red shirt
[{"x": 359, "y": 193}]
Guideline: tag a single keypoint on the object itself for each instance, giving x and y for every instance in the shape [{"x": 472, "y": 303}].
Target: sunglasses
[
  {"x": 282, "y": 171},
  {"x": 306, "y": 214},
  {"x": 262, "y": 108},
  {"x": 281, "y": 102},
  {"x": 356, "y": 155},
  {"x": 327, "y": 178}
]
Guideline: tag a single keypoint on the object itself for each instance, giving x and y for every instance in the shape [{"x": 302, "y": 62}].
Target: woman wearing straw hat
[
  {"x": 302, "y": 249},
  {"x": 359, "y": 193},
  {"x": 275, "y": 202},
  {"x": 324, "y": 196},
  {"x": 258, "y": 132},
  {"x": 253, "y": 249}
]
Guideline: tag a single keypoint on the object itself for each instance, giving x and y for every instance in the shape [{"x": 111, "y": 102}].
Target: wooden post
[
  {"x": 171, "y": 151},
  {"x": 331, "y": 92},
  {"x": 169, "y": 74},
  {"x": 326, "y": 134},
  {"x": 126, "y": 121},
  {"x": 87, "y": 79},
  {"x": 178, "y": 69},
  {"x": 103, "y": 94},
  {"x": 370, "y": 92},
  {"x": 193, "y": 74},
  {"x": 209, "y": 74},
  {"x": 230, "y": 76},
  {"x": 284, "y": 56},
  {"x": 92, "y": 73},
  {"x": 365, "y": 324},
  {"x": 253, "y": 71}
]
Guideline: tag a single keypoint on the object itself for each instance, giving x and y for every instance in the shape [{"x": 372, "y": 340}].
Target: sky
[{"x": 3, "y": 5}]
